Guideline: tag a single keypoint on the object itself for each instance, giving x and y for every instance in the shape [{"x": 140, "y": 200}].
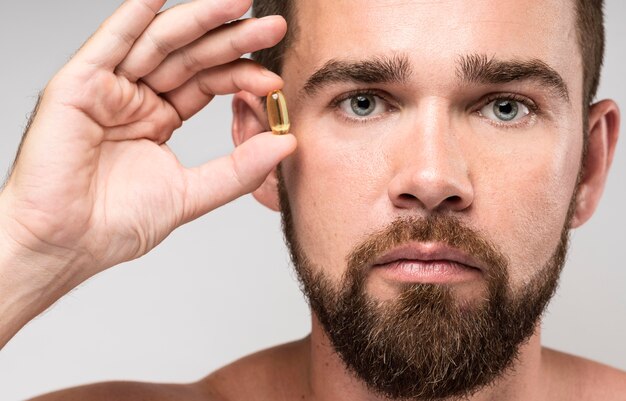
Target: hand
[{"x": 94, "y": 180}]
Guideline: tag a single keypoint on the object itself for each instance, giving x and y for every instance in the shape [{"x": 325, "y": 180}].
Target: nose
[{"x": 430, "y": 166}]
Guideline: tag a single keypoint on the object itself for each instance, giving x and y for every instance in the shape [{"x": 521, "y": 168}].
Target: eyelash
[
  {"x": 531, "y": 105},
  {"x": 533, "y": 108},
  {"x": 335, "y": 103}
]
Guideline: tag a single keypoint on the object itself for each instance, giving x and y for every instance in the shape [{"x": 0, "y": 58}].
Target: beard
[{"x": 424, "y": 344}]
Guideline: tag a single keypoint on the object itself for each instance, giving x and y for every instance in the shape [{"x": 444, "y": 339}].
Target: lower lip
[{"x": 432, "y": 271}]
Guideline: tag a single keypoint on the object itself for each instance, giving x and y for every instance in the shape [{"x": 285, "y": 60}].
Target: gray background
[{"x": 222, "y": 286}]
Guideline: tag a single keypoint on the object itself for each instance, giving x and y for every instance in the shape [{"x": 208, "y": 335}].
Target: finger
[
  {"x": 239, "y": 75},
  {"x": 221, "y": 46},
  {"x": 176, "y": 28},
  {"x": 151, "y": 118},
  {"x": 223, "y": 180},
  {"x": 116, "y": 36}
]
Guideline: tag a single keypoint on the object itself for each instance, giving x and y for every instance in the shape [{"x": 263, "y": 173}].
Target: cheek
[
  {"x": 333, "y": 189},
  {"x": 526, "y": 206}
]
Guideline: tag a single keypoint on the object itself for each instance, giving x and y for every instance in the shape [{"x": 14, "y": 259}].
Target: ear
[
  {"x": 249, "y": 119},
  {"x": 604, "y": 120}
]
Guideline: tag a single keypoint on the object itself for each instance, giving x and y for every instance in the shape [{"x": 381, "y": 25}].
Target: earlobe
[
  {"x": 249, "y": 119},
  {"x": 604, "y": 120}
]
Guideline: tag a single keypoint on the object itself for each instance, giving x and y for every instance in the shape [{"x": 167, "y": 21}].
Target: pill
[{"x": 277, "y": 113}]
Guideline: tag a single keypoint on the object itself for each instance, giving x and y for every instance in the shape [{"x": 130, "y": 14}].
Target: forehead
[{"x": 434, "y": 33}]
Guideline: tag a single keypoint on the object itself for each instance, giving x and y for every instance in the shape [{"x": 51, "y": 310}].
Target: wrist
[{"x": 31, "y": 278}]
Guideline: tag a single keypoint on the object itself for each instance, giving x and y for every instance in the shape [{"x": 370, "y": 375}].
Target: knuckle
[
  {"x": 121, "y": 70},
  {"x": 123, "y": 36},
  {"x": 176, "y": 121},
  {"x": 236, "y": 172},
  {"x": 219, "y": 10},
  {"x": 144, "y": 4},
  {"x": 232, "y": 9},
  {"x": 236, "y": 46},
  {"x": 189, "y": 61},
  {"x": 203, "y": 25},
  {"x": 237, "y": 78},
  {"x": 161, "y": 46},
  {"x": 204, "y": 86}
]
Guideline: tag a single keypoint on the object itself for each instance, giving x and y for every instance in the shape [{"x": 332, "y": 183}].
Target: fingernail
[
  {"x": 269, "y": 73},
  {"x": 271, "y": 18}
]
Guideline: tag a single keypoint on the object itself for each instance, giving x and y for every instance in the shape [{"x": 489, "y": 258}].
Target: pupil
[
  {"x": 363, "y": 103},
  {"x": 505, "y": 110}
]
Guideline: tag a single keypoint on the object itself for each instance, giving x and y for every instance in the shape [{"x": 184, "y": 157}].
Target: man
[{"x": 444, "y": 151}]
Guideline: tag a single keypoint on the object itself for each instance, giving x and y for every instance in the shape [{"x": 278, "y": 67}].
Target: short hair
[{"x": 590, "y": 35}]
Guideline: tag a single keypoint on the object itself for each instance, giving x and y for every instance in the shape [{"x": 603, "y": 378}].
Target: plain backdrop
[{"x": 222, "y": 287}]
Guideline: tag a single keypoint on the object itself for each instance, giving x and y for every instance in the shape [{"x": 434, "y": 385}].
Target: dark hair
[
  {"x": 590, "y": 21},
  {"x": 272, "y": 58},
  {"x": 590, "y": 32}
]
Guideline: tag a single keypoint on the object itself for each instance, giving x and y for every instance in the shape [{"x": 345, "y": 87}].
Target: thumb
[{"x": 222, "y": 180}]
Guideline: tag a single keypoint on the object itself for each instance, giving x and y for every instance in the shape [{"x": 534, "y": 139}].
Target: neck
[{"x": 329, "y": 380}]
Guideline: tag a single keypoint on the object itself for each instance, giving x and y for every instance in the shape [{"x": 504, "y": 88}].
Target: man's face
[{"x": 438, "y": 117}]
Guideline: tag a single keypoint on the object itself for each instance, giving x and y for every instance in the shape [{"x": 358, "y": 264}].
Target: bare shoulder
[
  {"x": 251, "y": 377},
  {"x": 274, "y": 373},
  {"x": 127, "y": 391},
  {"x": 587, "y": 379}
]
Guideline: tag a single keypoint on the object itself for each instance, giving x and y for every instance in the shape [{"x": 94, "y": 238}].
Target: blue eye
[
  {"x": 363, "y": 105},
  {"x": 505, "y": 110}
]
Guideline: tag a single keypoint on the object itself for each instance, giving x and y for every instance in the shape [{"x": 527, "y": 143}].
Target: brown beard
[{"x": 423, "y": 344}]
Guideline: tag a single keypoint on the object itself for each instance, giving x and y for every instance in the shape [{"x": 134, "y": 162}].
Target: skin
[
  {"x": 442, "y": 154},
  {"x": 63, "y": 212},
  {"x": 434, "y": 152}
]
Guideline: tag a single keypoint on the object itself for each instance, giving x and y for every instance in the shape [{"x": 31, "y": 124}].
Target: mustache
[{"x": 444, "y": 229}]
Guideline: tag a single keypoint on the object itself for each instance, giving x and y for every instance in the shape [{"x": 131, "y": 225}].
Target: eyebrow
[
  {"x": 478, "y": 68},
  {"x": 393, "y": 69}
]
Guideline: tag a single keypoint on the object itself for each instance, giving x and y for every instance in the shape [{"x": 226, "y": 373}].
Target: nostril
[
  {"x": 409, "y": 200},
  {"x": 407, "y": 197}
]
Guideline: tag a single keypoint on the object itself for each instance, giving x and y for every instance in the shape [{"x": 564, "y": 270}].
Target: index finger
[
  {"x": 175, "y": 28},
  {"x": 117, "y": 35}
]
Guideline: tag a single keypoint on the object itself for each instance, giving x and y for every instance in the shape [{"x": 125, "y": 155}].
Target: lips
[{"x": 427, "y": 252}]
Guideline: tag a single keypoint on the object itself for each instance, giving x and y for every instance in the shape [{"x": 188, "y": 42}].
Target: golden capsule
[{"x": 277, "y": 113}]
